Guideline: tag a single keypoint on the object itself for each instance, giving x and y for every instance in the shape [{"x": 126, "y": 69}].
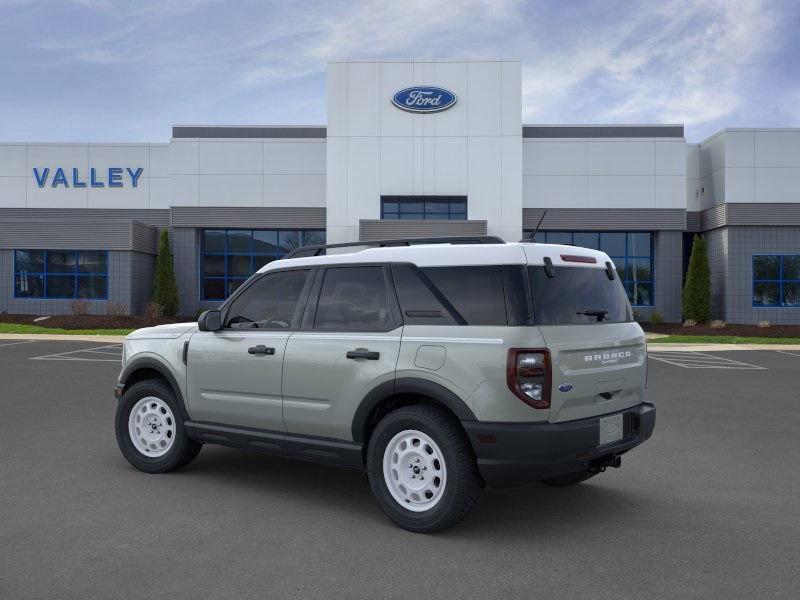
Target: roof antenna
[{"x": 536, "y": 229}]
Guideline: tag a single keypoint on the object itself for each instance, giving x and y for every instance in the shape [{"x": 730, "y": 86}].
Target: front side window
[
  {"x": 577, "y": 296},
  {"x": 632, "y": 253},
  {"x": 230, "y": 256},
  {"x": 353, "y": 299},
  {"x": 448, "y": 208},
  {"x": 64, "y": 274},
  {"x": 776, "y": 280},
  {"x": 269, "y": 303}
]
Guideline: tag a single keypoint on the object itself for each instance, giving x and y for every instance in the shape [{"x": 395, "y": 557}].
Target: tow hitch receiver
[{"x": 601, "y": 464}]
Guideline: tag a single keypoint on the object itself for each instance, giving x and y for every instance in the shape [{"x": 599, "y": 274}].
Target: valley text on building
[{"x": 411, "y": 148}]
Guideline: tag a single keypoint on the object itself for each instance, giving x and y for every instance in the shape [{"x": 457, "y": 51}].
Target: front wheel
[
  {"x": 422, "y": 469},
  {"x": 150, "y": 430}
]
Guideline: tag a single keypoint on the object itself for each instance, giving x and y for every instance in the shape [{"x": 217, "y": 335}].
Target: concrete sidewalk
[
  {"x": 117, "y": 339},
  {"x": 720, "y": 347},
  {"x": 60, "y": 337}
]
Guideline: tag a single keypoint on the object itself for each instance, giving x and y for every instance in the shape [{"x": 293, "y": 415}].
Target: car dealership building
[{"x": 412, "y": 148}]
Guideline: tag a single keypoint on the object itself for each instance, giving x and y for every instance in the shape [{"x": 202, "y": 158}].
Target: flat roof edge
[
  {"x": 602, "y": 131},
  {"x": 249, "y": 131}
]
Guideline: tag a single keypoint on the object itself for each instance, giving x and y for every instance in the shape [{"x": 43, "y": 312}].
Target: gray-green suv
[{"x": 435, "y": 367}]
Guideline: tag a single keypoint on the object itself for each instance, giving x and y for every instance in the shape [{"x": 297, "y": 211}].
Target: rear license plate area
[{"x": 611, "y": 429}]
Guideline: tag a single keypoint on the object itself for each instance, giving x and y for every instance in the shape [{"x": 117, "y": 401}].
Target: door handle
[
  {"x": 363, "y": 353},
  {"x": 261, "y": 349}
]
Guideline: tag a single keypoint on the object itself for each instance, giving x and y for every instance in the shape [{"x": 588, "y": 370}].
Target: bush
[
  {"x": 690, "y": 323},
  {"x": 656, "y": 318},
  {"x": 79, "y": 308},
  {"x": 153, "y": 311},
  {"x": 116, "y": 309},
  {"x": 165, "y": 288},
  {"x": 764, "y": 324},
  {"x": 718, "y": 324},
  {"x": 697, "y": 291}
]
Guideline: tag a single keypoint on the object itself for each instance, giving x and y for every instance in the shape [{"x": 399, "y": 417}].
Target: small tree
[
  {"x": 697, "y": 290},
  {"x": 165, "y": 288}
]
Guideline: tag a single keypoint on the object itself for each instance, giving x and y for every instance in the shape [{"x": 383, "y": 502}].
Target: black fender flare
[
  {"x": 148, "y": 362},
  {"x": 407, "y": 385}
]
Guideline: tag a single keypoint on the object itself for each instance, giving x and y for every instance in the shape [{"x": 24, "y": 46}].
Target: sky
[{"x": 126, "y": 71}]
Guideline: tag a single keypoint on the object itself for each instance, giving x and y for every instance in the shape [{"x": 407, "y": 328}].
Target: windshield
[{"x": 578, "y": 296}]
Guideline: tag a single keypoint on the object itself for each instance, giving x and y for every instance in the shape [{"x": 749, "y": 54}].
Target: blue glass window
[
  {"x": 776, "y": 280},
  {"x": 67, "y": 274},
  {"x": 230, "y": 256},
  {"x": 448, "y": 208},
  {"x": 631, "y": 251}
]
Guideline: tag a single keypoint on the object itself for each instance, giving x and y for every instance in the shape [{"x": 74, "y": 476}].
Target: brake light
[
  {"x": 578, "y": 258},
  {"x": 528, "y": 375}
]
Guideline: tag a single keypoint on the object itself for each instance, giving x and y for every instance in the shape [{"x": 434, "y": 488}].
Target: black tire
[
  {"x": 463, "y": 482},
  {"x": 183, "y": 449},
  {"x": 568, "y": 479}
]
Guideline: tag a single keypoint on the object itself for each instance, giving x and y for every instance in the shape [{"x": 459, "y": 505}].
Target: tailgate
[{"x": 597, "y": 369}]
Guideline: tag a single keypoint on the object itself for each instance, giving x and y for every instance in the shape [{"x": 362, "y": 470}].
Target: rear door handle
[
  {"x": 261, "y": 349},
  {"x": 363, "y": 353}
]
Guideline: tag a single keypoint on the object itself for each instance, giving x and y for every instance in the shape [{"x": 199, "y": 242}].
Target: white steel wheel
[
  {"x": 151, "y": 426},
  {"x": 414, "y": 470}
]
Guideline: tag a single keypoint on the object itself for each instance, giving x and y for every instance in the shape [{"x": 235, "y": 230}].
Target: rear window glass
[
  {"x": 475, "y": 292},
  {"x": 578, "y": 296}
]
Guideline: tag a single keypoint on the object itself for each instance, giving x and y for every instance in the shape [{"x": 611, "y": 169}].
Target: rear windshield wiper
[{"x": 600, "y": 313}]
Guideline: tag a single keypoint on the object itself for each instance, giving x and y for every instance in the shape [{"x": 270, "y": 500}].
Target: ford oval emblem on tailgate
[{"x": 565, "y": 387}]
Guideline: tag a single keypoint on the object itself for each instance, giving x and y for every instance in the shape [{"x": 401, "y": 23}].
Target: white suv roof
[{"x": 444, "y": 255}]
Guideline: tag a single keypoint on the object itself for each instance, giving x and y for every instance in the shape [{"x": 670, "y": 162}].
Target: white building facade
[{"x": 80, "y": 221}]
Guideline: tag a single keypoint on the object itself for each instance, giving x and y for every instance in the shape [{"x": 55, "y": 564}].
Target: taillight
[{"x": 528, "y": 376}]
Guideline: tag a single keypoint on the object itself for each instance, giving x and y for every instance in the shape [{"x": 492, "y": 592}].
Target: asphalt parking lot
[{"x": 708, "y": 508}]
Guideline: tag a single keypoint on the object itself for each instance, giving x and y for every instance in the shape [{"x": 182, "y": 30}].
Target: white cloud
[
  {"x": 682, "y": 62},
  {"x": 699, "y": 62},
  {"x": 375, "y": 29}
]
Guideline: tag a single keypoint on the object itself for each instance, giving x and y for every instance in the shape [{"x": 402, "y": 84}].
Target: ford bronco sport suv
[{"x": 436, "y": 367}]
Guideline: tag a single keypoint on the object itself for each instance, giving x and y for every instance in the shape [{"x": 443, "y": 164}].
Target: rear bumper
[{"x": 517, "y": 453}]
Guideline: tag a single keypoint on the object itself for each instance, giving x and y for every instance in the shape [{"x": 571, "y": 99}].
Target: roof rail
[{"x": 317, "y": 250}]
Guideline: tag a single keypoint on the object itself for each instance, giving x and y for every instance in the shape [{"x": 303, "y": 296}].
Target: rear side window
[
  {"x": 475, "y": 292},
  {"x": 578, "y": 296},
  {"x": 418, "y": 302},
  {"x": 353, "y": 299}
]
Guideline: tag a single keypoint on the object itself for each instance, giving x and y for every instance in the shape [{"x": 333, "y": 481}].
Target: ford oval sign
[{"x": 424, "y": 99}]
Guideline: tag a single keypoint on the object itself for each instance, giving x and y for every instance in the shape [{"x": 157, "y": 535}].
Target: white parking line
[
  {"x": 17, "y": 343},
  {"x": 789, "y": 353},
  {"x": 701, "y": 360},
  {"x": 119, "y": 353},
  {"x": 101, "y": 350}
]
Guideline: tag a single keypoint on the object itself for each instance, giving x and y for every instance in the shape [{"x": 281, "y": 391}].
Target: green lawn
[
  {"x": 20, "y": 328},
  {"x": 721, "y": 339}
]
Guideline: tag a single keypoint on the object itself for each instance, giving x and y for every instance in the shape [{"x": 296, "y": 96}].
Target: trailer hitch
[{"x": 601, "y": 464}]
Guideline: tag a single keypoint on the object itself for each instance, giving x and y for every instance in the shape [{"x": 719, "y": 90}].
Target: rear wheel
[
  {"x": 568, "y": 479},
  {"x": 422, "y": 469},
  {"x": 150, "y": 430}
]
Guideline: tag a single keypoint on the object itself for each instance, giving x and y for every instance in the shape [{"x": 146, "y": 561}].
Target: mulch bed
[
  {"x": 92, "y": 321},
  {"x": 774, "y": 331}
]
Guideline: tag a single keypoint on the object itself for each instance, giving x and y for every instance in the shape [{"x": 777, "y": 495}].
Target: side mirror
[{"x": 210, "y": 320}]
